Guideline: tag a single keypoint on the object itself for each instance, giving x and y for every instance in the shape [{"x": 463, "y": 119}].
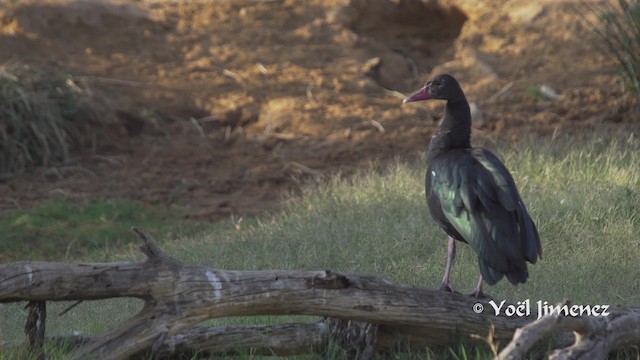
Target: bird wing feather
[
  {"x": 480, "y": 200},
  {"x": 510, "y": 200}
]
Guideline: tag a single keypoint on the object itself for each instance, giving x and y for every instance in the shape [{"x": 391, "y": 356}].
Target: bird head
[{"x": 442, "y": 87}]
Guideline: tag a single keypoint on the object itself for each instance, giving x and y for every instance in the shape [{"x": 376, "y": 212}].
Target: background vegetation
[
  {"x": 582, "y": 193},
  {"x": 44, "y": 116},
  {"x": 619, "y": 30}
]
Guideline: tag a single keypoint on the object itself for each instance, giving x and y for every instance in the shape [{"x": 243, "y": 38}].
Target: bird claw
[
  {"x": 446, "y": 287},
  {"x": 475, "y": 294},
  {"x": 480, "y": 295}
]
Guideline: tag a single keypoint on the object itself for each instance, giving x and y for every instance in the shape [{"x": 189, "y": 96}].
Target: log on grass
[{"x": 178, "y": 296}]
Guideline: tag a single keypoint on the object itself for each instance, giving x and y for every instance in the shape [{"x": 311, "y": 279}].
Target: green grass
[
  {"x": 62, "y": 230},
  {"x": 584, "y": 194}
]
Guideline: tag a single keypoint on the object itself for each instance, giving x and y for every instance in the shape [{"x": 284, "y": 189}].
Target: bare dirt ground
[{"x": 221, "y": 107}]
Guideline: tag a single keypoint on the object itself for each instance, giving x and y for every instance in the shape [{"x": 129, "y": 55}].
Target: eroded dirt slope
[{"x": 224, "y": 106}]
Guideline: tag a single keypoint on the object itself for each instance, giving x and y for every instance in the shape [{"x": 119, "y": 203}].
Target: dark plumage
[{"x": 472, "y": 196}]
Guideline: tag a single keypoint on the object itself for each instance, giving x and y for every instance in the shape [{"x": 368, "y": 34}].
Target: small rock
[
  {"x": 526, "y": 14},
  {"x": 548, "y": 92},
  {"x": 371, "y": 67}
]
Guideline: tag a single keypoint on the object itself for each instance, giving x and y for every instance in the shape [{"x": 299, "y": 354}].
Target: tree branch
[{"x": 595, "y": 336}]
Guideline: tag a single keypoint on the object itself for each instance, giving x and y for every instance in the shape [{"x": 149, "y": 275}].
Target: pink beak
[{"x": 422, "y": 94}]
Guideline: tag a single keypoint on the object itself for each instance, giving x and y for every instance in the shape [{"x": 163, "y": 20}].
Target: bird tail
[
  {"x": 518, "y": 276},
  {"x": 492, "y": 276},
  {"x": 489, "y": 275}
]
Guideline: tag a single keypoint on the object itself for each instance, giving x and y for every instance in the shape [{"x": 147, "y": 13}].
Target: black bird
[{"x": 472, "y": 196}]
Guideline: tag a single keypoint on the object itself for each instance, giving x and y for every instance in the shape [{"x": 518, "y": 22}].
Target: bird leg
[
  {"x": 451, "y": 253},
  {"x": 477, "y": 292}
]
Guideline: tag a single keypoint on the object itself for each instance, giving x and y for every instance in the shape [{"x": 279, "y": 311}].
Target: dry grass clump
[
  {"x": 44, "y": 117},
  {"x": 619, "y": 30}
]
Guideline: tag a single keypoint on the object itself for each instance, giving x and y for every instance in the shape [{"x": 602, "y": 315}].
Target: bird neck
[{"x": 454, "y": 131}]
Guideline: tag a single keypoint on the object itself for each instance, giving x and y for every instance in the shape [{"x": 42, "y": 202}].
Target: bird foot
[
  {"x": 445, "y": 286},
  {"x": 480, "y": 295}
]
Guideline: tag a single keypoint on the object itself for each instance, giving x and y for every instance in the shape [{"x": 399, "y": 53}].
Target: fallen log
[
  {"x": 595, "y": 336},
  {"x": 204, "y": 342},
  {"x": 178, "y": 296}
]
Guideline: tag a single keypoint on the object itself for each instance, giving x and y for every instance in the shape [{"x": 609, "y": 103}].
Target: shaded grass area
[
  {"x": 62, "y": 230},
  {"x": 584, "y": 195}
]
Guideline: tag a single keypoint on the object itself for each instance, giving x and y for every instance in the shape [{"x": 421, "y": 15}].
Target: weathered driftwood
[
  {"x": 279, "y": 339},
  {"x": 178, "y": 296},
  {"x": 595, "y": 336}
]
